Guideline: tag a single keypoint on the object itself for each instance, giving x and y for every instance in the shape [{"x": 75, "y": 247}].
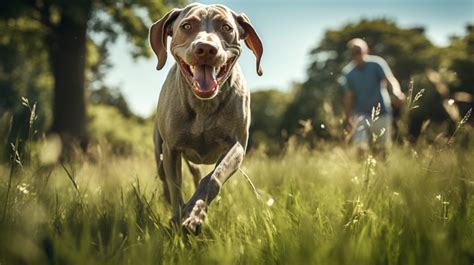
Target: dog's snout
[{"x": 205, "y": 50}]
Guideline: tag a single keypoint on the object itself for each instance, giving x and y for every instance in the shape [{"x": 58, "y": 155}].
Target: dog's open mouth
[{"x": 206, "y": 79}]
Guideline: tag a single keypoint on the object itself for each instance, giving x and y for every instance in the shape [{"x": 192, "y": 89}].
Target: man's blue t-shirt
[{"x": 367, "y": 83}]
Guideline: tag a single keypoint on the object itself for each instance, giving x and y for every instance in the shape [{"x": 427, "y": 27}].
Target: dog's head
[{"x": 205, "y": 43}]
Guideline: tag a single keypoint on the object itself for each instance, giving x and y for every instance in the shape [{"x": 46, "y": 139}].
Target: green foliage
[
  {"x": 22, "y": 74},
  {"x": 268, "y": 107},
  {"x": 111, "y": 97},
  {"x": 22, "y": 69},
  {"x": 318, "y": 207},
  {"x": 459, "y": 57},
  {"x": 129, "y": 19},
  {"x": 114, "y": 132},
  {"x": 109, "y": 19}
]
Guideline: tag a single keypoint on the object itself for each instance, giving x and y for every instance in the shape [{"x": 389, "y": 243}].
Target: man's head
[{"x": 358, "y": 48}]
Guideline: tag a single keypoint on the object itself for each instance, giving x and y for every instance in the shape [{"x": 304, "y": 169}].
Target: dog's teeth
[{"x": 192, "y": 69}]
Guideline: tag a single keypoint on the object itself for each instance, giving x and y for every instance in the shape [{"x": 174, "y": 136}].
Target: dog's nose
[{"x": 205, "y": 50}]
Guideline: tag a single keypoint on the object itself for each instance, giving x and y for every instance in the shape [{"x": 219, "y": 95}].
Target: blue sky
[{"x": 289, "y": 29}]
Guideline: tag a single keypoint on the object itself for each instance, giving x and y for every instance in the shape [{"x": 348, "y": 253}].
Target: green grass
[{"x": 328, "y": 208}]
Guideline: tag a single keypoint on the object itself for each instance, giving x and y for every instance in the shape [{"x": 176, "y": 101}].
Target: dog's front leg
[
  {"x": 209, "y": 187},
  {"x": 172, "y": 167}
]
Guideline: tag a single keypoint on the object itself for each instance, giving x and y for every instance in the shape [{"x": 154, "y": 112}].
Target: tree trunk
[{"x": 67, "y": 53}]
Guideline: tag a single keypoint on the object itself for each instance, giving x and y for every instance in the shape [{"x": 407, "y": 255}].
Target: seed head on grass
[
  {"x": 418, "y": 96},
  {"x": 466, "y": 117},
  {"x": 16, "y": 155},
  {"x": 376, "y": 112},
  {"x": 460, "y": 125}
]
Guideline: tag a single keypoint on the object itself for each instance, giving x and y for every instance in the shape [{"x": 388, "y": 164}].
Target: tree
[
  {"x": 63, "y": 28},
  {"x": 111, "y": 97},
  {"x": 460, "y": 60},
  {"x": 319, "y": 99},
  {"x": 268, "y": 107}
]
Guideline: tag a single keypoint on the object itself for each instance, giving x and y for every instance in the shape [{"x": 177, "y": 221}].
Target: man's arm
[
  {"x": 387, "y": 75},
  {"x": 396, "y": 91},
  {"x": 395, "y": 86}
]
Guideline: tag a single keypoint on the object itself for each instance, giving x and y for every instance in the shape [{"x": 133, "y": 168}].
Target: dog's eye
[
  {"x": 186, "y": 26},
  {"x": 226, "y": 27}
]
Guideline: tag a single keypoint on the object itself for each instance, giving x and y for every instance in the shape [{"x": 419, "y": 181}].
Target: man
[{"x": 367, "y": 102}]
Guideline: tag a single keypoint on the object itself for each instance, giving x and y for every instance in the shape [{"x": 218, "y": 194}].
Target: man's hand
[{"x": 398, "y": 99}]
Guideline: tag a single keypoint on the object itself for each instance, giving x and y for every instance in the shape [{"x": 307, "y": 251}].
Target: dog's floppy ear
[
  {"x": 251, "y": 39},
  {"x": 159, "y": 33}
]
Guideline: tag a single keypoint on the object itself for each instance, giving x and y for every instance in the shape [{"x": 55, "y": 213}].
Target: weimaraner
[{"x": 203, "y": 112}]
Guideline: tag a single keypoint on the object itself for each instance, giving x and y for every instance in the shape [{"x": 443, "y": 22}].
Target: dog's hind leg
[
  {"x": 209, "y": 187},
  {"x": 195, "y": 171}
]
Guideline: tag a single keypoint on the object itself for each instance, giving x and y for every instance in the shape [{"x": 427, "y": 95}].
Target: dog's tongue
[{"x": 205, "y": 79}]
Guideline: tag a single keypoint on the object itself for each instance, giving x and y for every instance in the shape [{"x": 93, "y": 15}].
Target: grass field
[{"x": 316, "y": 207}]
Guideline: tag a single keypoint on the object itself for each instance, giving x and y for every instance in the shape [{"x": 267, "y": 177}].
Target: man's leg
[{"x": 361, "y": 135}]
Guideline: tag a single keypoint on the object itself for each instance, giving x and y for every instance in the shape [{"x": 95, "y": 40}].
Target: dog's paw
[{"x": 196, "y": 217}]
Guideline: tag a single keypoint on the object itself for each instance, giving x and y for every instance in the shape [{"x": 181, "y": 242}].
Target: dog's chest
[
  {"x": 205, "y": 138},
  {"x": 207, "y": 130}
]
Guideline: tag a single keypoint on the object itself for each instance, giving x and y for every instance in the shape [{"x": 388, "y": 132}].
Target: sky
[{"x": 289, "y": 30}]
